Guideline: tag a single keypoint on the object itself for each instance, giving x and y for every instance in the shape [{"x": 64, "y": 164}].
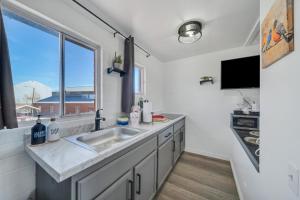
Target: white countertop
[{"x": 63, "y": 159}]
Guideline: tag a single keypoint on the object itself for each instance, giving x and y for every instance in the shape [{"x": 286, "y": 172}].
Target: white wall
[
  {"x": 279, "y": 124},
  {"x": 17, "y": 178},
  {"x": 280, "y": 130},
  {"x": 207, "y": 107}
]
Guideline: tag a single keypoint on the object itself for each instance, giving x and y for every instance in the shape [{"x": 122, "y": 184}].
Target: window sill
[{"x": 79, "y": 119}]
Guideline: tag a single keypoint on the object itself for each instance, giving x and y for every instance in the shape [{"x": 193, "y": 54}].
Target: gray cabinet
[
  {"x": 165, "y": 161},
  {"x": 120, "y": 190},
  {"x": 182, "y": 139},
  {"x": 135, "y": 173},
  {"x": 96, "y": 182},
  {"x": 177, "y": 145},
  {"x": 145, "y": 178},
  {"x": 179, "y": 127}
]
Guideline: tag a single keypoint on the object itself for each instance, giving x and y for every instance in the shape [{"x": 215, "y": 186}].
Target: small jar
[{"x": 52, "y": 131}]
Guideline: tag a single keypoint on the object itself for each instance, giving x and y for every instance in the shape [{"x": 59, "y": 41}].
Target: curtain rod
[{"x": 110, "y": 26}]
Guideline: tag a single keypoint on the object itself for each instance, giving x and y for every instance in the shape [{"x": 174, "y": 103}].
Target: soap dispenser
[{"x": 38, "y": 132}]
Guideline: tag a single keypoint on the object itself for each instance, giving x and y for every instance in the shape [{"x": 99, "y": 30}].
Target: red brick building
[{"x": 76, "y": 102}]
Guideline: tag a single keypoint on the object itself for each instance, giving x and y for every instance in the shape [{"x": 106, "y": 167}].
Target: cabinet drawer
[
  {"x": 165, "y": 135},
  {"x": 178, "y": 125},
  {"x": 95, "y": 183}
]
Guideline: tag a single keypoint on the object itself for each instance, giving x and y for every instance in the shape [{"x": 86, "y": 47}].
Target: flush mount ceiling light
[{"x": 190, "y": 32}]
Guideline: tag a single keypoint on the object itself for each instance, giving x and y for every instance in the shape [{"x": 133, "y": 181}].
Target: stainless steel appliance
[{"x": 245, "y": 122}]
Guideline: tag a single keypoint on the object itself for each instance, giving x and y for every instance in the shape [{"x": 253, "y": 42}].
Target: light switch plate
[{"x": 293, "y": 179}]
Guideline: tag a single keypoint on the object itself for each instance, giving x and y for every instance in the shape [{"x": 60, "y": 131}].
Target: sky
[{"x": 34, "y": 55}]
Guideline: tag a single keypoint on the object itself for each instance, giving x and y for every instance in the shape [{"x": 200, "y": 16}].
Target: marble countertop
[{"x": 63, "y": 159}]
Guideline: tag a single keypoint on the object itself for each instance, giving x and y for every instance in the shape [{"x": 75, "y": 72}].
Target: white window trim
[
  {"x": 63, "y": 38},
  {"x": 64, "y": 31},
  {"x": 143, "y": 79}
]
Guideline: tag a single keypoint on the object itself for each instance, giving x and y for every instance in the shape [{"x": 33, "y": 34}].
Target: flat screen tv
[{"x": 240, "y": 73}]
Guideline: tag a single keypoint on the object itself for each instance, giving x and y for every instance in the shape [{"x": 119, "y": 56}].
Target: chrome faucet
[
  {"x": 98, "y": 118},
  {"x": 247, "y": 101}
]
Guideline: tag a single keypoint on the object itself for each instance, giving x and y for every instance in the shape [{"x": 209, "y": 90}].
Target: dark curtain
[
  {"x": 128, "y": 79},
  {"x": 8, "y": 117}
]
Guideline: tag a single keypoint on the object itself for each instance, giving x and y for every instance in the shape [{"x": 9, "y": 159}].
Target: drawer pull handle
[
  {"x": 130, "y": 188},
  {"x": 174, "y": 146},
  {"x": 139, "y": 182},
  {"x": 181, "y": 136},
  {"x": 168, "y": 135}
]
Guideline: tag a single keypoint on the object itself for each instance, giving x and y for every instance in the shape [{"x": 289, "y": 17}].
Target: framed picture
[{"x": 277, "y": 29}]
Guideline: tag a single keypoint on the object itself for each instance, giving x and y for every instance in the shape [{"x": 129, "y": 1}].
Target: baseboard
[
  {"x": 211, "y": 155},
  {"x": 237, "y": 183}
]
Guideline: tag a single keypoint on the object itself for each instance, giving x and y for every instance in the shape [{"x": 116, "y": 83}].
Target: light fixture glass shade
[{"x": 190, "y": 32}]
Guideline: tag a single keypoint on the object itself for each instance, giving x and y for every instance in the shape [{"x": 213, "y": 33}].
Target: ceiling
[{"x": 154, "y": 23}]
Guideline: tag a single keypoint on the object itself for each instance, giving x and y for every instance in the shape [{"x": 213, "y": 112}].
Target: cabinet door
[
  {"x": 182, "y": 139},
  {"x": 177, "y": 144},
  {"x": 165, "y": 161},
  {"x": 145, "y": 178},
  {"x": 122, "y": 189}
]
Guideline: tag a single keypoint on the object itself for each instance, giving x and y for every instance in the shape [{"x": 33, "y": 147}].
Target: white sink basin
[{"x": 104, "y": 139}]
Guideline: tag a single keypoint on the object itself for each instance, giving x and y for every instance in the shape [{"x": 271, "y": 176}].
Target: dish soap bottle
[
  {"x": 52, "y": 131},
  {"x": 38, "y": 132}
]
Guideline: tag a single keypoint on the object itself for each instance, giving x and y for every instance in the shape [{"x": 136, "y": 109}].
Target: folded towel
[{"x": 159, "y": 118}]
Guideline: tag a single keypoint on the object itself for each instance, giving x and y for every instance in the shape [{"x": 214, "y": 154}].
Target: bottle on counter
[
  {"x": 254, "y": 107},
  {"x": 38, "y": 132},
  {"x": 52, "y": 131},
  {"x": 135, "y": 116}
]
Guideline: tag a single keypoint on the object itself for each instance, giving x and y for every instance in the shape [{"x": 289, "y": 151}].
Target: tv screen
[{"x": 240, "y": 73}]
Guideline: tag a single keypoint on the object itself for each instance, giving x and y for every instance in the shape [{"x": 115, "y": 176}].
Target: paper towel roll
[{"x": 147, "y": 109}]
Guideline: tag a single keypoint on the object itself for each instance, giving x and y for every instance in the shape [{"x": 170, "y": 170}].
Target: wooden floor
[{"x": 199, "y": 178}]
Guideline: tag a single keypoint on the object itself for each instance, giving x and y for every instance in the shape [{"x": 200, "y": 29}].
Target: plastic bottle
[
  {"x": 38, "y": 132},
  {"x": 52, "y": 131}
]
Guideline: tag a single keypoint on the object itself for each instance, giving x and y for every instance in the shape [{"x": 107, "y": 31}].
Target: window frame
[
  {"x": 63, "y": 38},
  {"x": 71, "y": 35},
  {"x": 143, "y": 80}
]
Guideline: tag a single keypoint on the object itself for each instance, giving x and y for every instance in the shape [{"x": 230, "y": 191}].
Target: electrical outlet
[{"x": 293, "y": 179}]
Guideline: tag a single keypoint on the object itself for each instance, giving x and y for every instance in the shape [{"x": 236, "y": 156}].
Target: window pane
[
  {"x": 79, "y": 79},
  {"x": 34, "y": 57},
  {"x": 137, "y": 80}
]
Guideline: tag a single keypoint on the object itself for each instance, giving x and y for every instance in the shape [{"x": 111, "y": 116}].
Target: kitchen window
[
  {"x": 79, "y": 78},
  {"x": 139, "y": 80},
  {"x": 54, "y": 74}
]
